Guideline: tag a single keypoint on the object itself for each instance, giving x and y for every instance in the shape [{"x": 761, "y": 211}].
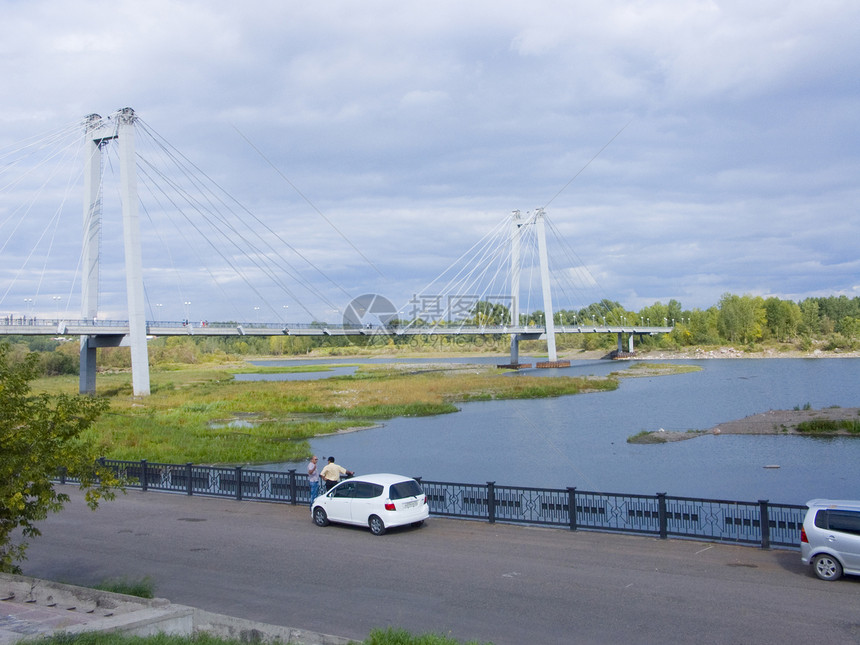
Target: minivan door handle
[{"x": 831, "y": 538}]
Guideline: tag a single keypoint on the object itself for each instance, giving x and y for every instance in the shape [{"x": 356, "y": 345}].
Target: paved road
[{"x": 471, "y": 580}]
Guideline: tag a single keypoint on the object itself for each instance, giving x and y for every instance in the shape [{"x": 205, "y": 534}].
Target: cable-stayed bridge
[{"x": 488, "y": 292}]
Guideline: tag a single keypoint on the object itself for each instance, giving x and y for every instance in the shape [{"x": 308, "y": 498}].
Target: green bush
[
  {"x": 827, "y": 426},
  {"x": 143, "y": 588}
]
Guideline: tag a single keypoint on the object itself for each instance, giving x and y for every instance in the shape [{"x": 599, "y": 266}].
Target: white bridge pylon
[
  {"x": 517, "y": 224},
  {"x": 100, "y": 133}
]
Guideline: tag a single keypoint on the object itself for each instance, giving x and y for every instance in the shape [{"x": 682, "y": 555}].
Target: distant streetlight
[
  {"x": 285, "y": 311},
  {"x": 187, "y": 304},
  {"x": 158, "y": 311},
  {"x": 257, "y": 314},
  {"x": 28, "y": 303},
  {"x": 56, "y": 300}
]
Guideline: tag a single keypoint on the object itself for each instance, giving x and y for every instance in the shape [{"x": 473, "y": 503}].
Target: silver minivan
[{"x": 830, "y": 537}]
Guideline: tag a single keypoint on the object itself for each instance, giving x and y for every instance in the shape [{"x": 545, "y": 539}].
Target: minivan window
[
  {"x": 409, "y": 488},
  {"x": 843, "y": 521}
]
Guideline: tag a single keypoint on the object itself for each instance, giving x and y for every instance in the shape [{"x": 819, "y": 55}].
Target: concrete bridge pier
[
  {"x": 620, "y": 351},
  {"x": 89, "y": 345},
  {"x": 87, "y": 384}
]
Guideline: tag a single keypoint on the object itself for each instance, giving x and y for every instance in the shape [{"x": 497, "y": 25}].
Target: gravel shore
[
  {"x": 783, "y": 421},
  {"x": 770, "y": 422}
]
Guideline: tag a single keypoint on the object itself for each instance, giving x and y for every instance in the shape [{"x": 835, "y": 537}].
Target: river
[{"x": 581, "y": 440}]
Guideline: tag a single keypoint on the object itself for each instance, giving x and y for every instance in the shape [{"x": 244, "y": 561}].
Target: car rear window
[
  {"x": 409, "y": 488},
  {"x": 843, "y": 521}
]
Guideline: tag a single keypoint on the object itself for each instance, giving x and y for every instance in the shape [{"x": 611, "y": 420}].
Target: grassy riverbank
[{"x": 200, "y": 414}]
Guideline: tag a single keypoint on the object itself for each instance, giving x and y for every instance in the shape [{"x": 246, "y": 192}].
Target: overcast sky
[{"x": 383, "y": 139}]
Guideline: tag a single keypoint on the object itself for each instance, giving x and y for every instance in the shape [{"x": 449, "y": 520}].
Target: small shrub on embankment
[{"x": 829, "y": 426}]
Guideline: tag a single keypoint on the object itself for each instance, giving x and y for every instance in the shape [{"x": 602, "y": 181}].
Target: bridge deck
[{"x": 121, "y": 328}]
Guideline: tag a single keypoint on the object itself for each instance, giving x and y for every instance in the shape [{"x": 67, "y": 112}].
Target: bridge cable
[
  {"x": 309, "y": 202},
  {"x": 563, "y": 188},
  {"x": 214, "y": 212},
  {"x": 24, "y": 211},
  {"x": 274, "y": 251}
]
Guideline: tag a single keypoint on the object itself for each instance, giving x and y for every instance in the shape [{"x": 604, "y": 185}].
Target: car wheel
[
  {"x": 826, "y": 567},
  {"x": 418, "y": 523},
  {"x": 377, "y": 526},
  {"x": 320, "y": 518}
]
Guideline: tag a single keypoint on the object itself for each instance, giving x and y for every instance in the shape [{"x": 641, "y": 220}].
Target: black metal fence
[{"x": 758, "y": 523}]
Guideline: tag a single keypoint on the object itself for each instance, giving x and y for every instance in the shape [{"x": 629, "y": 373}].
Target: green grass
[
  {"x": 829, "y": 426},
  {"x": 143, "y": 588},
  {"x": 393, "y": 636}
]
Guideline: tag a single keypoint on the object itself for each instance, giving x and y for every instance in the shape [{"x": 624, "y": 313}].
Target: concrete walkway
[{"x": 510, "y": 585}]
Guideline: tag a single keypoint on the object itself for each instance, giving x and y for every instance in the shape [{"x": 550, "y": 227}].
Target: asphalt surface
[{"x": 470, "y": 580}]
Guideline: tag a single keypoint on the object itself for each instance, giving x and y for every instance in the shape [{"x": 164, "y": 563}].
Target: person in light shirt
[
  {"x": 332, "y": 472},
  {"x": 314, "y": 478}
]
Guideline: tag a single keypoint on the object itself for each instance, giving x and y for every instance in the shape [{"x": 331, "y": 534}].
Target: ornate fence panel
[
  {"x": 718, "y": 520},
  {"x": 457, "y": 500},
  {"x": 531, "y": 505},
  {"x": 623, "y": 513},
  {"x": 193, "y": 479}
]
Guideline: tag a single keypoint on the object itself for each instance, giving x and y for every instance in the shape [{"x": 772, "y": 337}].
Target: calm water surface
[{"x": 581, "y": 440}]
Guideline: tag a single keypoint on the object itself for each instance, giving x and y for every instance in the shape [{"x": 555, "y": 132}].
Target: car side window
[
  {"x": 821, "y": 519},
  {"x": 844, "y": 521},
  {"x": 346, "y": 489},
  {"x": 366, "y": 490}
]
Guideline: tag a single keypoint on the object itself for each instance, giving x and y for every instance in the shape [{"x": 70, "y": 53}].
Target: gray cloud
[{"x": 414, "y": 130}]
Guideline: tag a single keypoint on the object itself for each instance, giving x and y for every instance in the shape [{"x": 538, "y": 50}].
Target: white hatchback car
[
  {"x": 830, "y": 538},
  {"x": 380, "y": 501}
]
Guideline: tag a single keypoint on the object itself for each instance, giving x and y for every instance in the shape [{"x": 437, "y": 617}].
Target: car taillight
[
  {"x": 425, "y": 500},
  {"x": 803, "y": 537},
  {"x": 389, "y": 506}
]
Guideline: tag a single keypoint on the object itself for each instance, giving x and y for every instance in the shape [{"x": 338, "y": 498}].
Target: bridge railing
[
  {"x": 12, "y": 324},
  {"x": 759, "y": 523}
]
